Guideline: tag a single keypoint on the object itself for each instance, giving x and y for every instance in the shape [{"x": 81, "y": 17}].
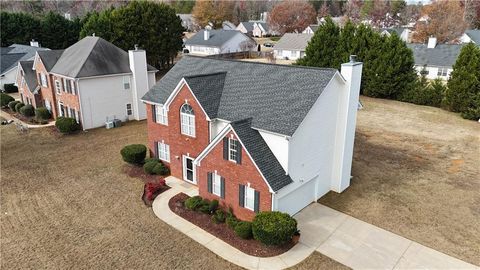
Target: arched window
[{"x": 187, "y": 119}]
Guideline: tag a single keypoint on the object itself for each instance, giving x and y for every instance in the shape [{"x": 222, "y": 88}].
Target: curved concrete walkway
[
  {"x": 345, "y": 239},
  {"x": 10, "y": 117}
]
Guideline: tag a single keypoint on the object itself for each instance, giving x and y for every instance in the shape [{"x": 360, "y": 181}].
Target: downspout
[{"x": 80, "y": 104}]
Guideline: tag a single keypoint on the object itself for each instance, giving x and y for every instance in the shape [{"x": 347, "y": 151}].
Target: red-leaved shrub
[{"x": 151, "y": 189}]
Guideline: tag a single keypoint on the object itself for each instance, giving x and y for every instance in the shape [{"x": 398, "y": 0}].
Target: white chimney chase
[
  {"x": 138, "y": 65},
  {"x": 34, "y": 43},
  {"x": 206, "y": 34},
  {"x": 432, "y": 42},
  {"x": 346, "y": 122}
]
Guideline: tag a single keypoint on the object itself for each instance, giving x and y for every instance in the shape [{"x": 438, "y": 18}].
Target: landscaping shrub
[
  {"x": 218, "y": 217},
  {"x": 231, "y": 221},
  {"x": 12, "y": 104},
  {"x": 153, "y": 188},
  {"x": 273, "y": 228},
  {"x": 244, "y": 229},
  {"x": 27, "y": 110},
  {"x": 149, "y": 166},
  {"x": 152, "y": 159},
  {"x": 213, "y": 206},
  {"x": 42, "y": 113},
  {"x": 10, "y": 88},
  {"x": 204, "y": 206},
  {"x": 425, "y": 93},
  {"x": 67, "y": 125},
  {"x": 134, "y": 153},
  {"x": 19, "y": 106},
  {"x": 193, "y": 203},
  {"x": 160, "y": 169},
  {"x": 5, "y": 99}
]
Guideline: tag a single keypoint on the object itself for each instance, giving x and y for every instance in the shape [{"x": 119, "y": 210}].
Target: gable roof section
[
  {"x": 248, "y": 26},
  {"x": 208, "y": 90},
  {"x": 92, "y": 56},
  {"x": 49, "y": 58},
  {"x": 261, "y": 154},
  {"x": 29, "y": 75},
  {"x": 10, "y": 56},
  {"x": 217, "y": 38},
  {"x": 474, "y": 35},
  {"x": 293, "y": 41},
  {"x": 276, "y": 97},
  {"x": 9, "y": 60},
  {"x": 263, "y": 26},
  {"x": 443, "y": 55}
]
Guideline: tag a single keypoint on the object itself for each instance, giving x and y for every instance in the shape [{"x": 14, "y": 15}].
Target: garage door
[{"x": 298, "y": 198}]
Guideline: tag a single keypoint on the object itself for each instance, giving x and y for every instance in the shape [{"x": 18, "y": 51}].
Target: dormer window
[{"x": 187, "y": 119}]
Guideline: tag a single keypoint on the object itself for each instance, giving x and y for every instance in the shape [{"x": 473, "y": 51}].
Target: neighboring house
[
  {"x": 255, "y": 136},
  {"x": 246, "y": 28},
  {"x": 435, "y": 60},
  {"x": 226, "y": 25},
  {"x": 11, "y": 56},
  {"x": 291, "y": 46},
  {"x": 471, "y": 36},
  {"x": 188, "y": 22},
  {"x": 209, "y": 42},
  {"x": 310, "y": 29},
  {"x": 256, "y": 29},
  {"x": 92, "y": 81},
  {"x": 403, "y": 32}
]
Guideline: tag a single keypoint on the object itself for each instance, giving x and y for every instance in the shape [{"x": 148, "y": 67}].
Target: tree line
[{"x": 388, "y": 68}]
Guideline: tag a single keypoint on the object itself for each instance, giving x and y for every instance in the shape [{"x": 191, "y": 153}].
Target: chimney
[
  {"x": 206, "y": 34},
  {"x": 34, "y": 43},
  {"x": 139, "y": 81},
  {"x": 346, "y": 120},
  {"x": 432, "y": 42}
]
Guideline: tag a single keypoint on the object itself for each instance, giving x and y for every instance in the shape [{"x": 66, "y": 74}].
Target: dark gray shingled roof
[
  {"x": 92, "y": 56},
  {"x": 217, "y": 38},
  {"x": 261, "y": 154},
  {"x": 29, "y": 75},
  {"x": 474, "y": 35},
  {"x": 443, "y": 55},
  {"x": 208, "y": 90},
  {"x": 248, "y": 26},
  {"x": 293, "y": 41},
  {"x": 277, "y": 97},
  {"x": 9, "y": 60},
  {"x": 10, "y": 56},
  {"x": 49, "y": 58}
]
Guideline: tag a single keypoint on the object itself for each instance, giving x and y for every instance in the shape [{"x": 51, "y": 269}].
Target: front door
[{"x": 188, "y": 169}]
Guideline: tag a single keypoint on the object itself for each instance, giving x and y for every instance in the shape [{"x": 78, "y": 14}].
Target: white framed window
[
  {"x": 77, "y": 117},
  {"x": 187, "y": 120},
  {"x": 129, "y": 109},
  {"x": 163, "y": 151},
  {"x": 126, "y": 82},
  {"x": 442, "y": 72},
  {"x": 72, "y": 84},
  {"x": 43, "y": 79},
  {"x": 217, "y": 185},
  {"x": 58, "y": 86},
  {"x": 67, "y": 86},
  {"x": 61, "y": 108},
  {"x": 161, "y": 115},
  {"x": 249, "y": 198},
  {"x": 22, "y": 82},
  {"x": 232, "y": 149}
]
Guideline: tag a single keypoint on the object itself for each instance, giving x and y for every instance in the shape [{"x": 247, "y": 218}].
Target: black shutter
[
  {"x": 154, "y": 114},
  {"x": 241, "y": 195},
  {"x": 256, "y": 207},
  {"x": 156, "y": 149},
  {"x": 222, "y": 187},
  {"x": 225, "y": 148},
  {"x": 209, "y": 182},
  {"x": 239, "y": 152}
]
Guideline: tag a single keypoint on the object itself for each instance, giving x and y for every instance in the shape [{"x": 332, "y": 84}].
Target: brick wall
[
  {"x": 47, "y": 93},
  {"x": 234, "y": 174}
]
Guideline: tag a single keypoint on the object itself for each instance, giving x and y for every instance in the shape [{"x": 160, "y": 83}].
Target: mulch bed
[
  {"x": 137, "y": 172},
  {"x": 222, "y": 231},
  {"x": 25, "y": 119}
]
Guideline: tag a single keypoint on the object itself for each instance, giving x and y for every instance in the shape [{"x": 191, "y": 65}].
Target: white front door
[{"x": 188, "y": 170}]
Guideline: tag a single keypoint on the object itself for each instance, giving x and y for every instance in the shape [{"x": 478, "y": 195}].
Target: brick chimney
[
  {"x": 346, "y": 121},
  {"x": 137, "y": 59}
]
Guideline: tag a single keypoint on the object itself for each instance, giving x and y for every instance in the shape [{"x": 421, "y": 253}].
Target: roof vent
[
  {"x": 136, "y": 47},
  {"x": 353, "y": 58},
  {"x": 432, "y": 42}
]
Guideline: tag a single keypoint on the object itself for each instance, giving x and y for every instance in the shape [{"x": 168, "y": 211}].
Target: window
[
  {"x": 43, "y": 80},
  {"x": 58, "y": 86},
  {"x": 74, "y": 90},
  {"x": 72, "y": 113},
  {"x": 217, "y": 185},
  {"x": 22, "y": 83},
  {"x": 163, "y": 151},
  {"x": 161, "y": 115},
  {"x": 126, "y": 82},
  {"x": 61, "y": 108},
  {"x": 249, "y": 198},
  {"x": 232, "y": 149},
  {"x": 67, "y": 86},
  {"x": 129, "y": 109},
  {"x": 442, "y": 72},
  {"x": 187, "y": 117}
]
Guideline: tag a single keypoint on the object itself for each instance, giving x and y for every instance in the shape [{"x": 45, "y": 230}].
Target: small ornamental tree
[
  {"x": 134, "y": 153},
  {"x": 5, "y": 99}
]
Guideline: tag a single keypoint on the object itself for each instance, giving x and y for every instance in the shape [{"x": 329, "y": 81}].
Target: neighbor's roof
[
  {"x": 443, "y": 55},
  {"x": 264, "y": 25},
  {"x": 293, "y": 41},
  {"x": 474, "y": 35},
  {"x": 248, "y": 26},
  {"x": 92, "y": 56},
  {"x": 217, "y": 38},
  {"x": 10, "y": 56},
  {"x": 49, "y": 58},
  {"x": 314, "y": 27},
  {"x": 262, "y": 155},
  {"x": 29, "y": 75},
  {"x": 276, "y": 97}
]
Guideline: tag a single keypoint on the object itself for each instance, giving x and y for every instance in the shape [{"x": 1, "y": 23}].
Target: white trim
[
  {"x": 166, "y": 148},
  {"x": 230, "y": 149},
  {"x": 273, "y": 133},
  {"x": 247, "y": 187},
  {"x": 164, "y": 115},
  {"x": 99, "y": 76},
  {"x": 215, "y": 175},
  {"x": 184, "y": 168}
]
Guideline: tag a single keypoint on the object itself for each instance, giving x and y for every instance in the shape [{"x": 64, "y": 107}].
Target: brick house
[
  {"x": 256, "y": 137},
  {"x": 92, "y": 81}
]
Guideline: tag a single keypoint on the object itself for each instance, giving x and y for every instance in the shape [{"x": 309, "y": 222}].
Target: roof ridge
[
  {"x": 259, "y": 63},
  {"x": 84, "y": 60},
  {"x": 206, "y": 74}
]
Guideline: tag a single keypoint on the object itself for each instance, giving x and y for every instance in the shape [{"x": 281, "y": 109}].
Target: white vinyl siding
[
  {"x": 161, "y": 115},
  {"x": 163, "y": 151},
  {"x": 249, "y": 198}
]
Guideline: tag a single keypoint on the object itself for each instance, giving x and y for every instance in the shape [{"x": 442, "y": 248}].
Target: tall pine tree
[{"x": 463, "y": 88}]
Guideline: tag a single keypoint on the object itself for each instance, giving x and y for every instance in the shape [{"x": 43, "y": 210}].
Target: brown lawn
[
  {"x": 416, "y": 173},
  {"x": 66, "y": 204}
]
